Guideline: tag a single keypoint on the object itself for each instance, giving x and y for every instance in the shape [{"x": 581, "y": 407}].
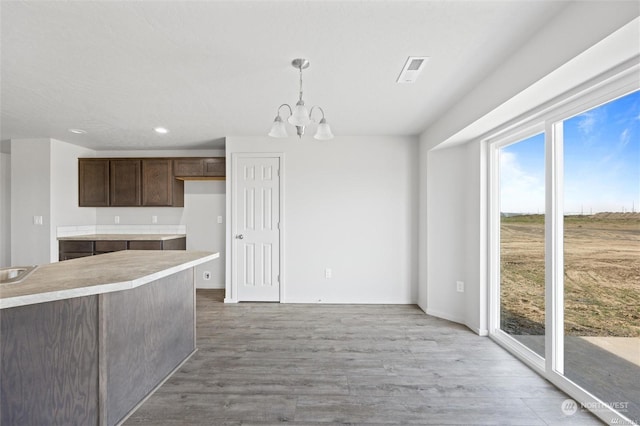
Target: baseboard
[
  {"x": 210, "y": 286},
  {"x": 346, "y": 302},
  {"x": 479, "y": 331},
  {"x": 445, "y": 316}
]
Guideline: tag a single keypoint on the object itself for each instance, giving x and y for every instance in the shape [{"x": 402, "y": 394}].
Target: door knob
[{"x": 239, "y": 236}]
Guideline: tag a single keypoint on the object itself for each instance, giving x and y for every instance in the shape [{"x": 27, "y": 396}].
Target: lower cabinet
[
  {"x": 102, "y": 246},
  {"x": 72, "y": 249}
]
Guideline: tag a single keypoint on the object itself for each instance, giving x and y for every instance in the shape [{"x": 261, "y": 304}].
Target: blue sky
[{"x": 601, "y": 163}]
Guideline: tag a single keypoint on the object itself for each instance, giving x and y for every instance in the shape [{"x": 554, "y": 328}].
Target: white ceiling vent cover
[{"x": 412, "y": 69}]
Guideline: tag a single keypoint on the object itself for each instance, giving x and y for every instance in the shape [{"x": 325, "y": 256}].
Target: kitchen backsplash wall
[
  {"x": 70, "y": 231},
  {"x": 140, "y": 215}
]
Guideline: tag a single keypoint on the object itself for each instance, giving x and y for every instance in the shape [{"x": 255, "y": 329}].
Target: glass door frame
[
  {"x": 548, "y": 118},
  {"x": 531, "y": 358}
]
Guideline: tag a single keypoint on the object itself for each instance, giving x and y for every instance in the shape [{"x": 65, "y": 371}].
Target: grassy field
[{"x": 601, "y": 274}]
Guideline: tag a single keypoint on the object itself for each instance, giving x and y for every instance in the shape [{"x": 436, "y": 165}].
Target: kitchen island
[{"x": 85, "y": 341}]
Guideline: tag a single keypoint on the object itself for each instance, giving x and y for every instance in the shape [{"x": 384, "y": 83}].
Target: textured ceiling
[{"x": 206, "y": 70}]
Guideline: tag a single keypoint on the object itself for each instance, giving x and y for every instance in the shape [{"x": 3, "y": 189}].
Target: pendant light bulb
[
  {"x": 300, "y": 116},
  {"x": 323, "y": 132},
  {"x": 278, "y": 129}
]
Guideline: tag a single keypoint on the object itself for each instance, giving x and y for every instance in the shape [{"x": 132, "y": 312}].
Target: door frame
[{"x": 231, "y": 281}]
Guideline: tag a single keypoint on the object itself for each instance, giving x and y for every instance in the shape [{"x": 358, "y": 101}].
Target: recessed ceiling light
[
  {"x": 161, "y": 130},
  {"x": 78, "y": 131}
]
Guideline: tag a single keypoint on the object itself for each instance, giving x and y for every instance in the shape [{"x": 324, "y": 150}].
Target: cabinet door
[
  {"x": 188, "y": 167},
  {"x": 125, "y": 182},
  {"x": 157, "y": 182},
  {"x": 214, "y": 166},
  {"x": 93, "y": 182},
  {"x": 145, "y": 245}
]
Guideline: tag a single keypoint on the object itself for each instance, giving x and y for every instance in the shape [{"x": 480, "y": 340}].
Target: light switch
[
  {"x": 219, "y": 219},
  {"x": 154, "y": 219}
]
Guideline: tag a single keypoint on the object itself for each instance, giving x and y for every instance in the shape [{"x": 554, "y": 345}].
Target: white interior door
[{"x": 256, "y": 235}]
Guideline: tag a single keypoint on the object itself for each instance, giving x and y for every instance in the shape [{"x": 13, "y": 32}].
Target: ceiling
[{"x": 209, "y": 69}]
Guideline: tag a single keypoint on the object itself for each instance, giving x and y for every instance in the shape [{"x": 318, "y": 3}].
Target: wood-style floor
[{"x": 263, "y": 363}]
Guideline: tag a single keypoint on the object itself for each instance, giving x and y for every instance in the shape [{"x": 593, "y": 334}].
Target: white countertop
[
  {"x": 86, "y": 276},
  {"x": 122, "y": 237}
]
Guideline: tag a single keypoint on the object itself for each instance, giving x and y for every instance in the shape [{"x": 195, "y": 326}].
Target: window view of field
[
  {"x": 601, "y": 281},
  {"x": 522, "y": 278}
]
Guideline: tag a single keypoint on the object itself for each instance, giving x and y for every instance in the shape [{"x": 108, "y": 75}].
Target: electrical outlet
[
  {"x": 37, "y": 220},
  {"x": 154, "y": 219},
  {"x": 116, "y": 219},
  {"x": 460, "y": 286},
  {"x": 328, "y": 273},
  {"x": 219, "y": 219},
  {"x": 206, "y": 275}
]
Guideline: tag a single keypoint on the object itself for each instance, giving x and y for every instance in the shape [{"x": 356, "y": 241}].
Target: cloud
[
  {"x": 521, "y": 191},
  {"x": 625, "y": 137},
  {"x": 587, "y": 122}
]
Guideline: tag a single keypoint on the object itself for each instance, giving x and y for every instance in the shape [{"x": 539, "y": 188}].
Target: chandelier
[{"x": 299, "y": 116}]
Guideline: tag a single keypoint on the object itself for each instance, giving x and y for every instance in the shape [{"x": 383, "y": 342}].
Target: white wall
[
  {"x": 204, "y": 201},
  {"x": 350, "y": 205},
  {"x": 447, "y": 229},
  {"x": 30, "y": 196},
  {"x": 64, "y": 191},
  {"x": 44, "y": 182},
  {"x": 5, "y": 210},
  {"x": 453, "y": 206}
]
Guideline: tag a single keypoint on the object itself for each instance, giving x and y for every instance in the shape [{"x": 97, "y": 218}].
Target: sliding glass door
[
  {"x": 565, "y": 248},
  {"x": 602, "y": 252},
  {"x": 522, "y": 213}
]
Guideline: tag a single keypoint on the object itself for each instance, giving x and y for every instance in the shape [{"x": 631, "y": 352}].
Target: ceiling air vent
[{"x": 412, "y": 68}]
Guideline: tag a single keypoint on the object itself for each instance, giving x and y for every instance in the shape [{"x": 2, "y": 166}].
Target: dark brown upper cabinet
[
  {"x": 93, "y": 182},
  {"x": 199, "y": 168},
  {"x": 131, "y": 182},
  {"x": 125, "y": 182},
  {"x": 214, "y": 166},
  {"x": 159, "y": 187},
  {"x": 187, "y": 167}
]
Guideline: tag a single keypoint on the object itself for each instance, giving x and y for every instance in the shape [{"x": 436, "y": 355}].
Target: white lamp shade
[
  {"x": 324, "y": 131},
  {"x": 300, "y": 116},
  {"x": 278, "y": 130}
]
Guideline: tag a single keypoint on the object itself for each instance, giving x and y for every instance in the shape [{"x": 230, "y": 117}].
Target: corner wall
[
  {"x": 350, "y": 205},
  {"x": 30, "y": 196},
  {"x": 5, "y": 210},
  {"x": 64, "y": 191}
]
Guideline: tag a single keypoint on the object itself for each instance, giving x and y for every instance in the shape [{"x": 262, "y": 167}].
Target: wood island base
[{"x": 93, "y": 359}]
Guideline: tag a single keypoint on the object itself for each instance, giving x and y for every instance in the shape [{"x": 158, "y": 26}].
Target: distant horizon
[
  {"x": 601, "y": 163},
  {"x": 568, "y": 213}
]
